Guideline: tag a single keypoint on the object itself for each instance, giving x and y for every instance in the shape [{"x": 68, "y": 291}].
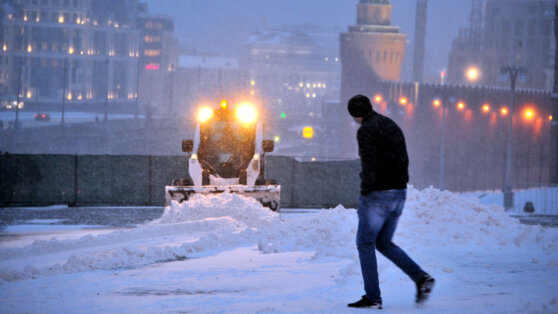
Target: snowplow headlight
[
  {"x": 205, "y": 114},
  {"x": 246, "y": 113}
]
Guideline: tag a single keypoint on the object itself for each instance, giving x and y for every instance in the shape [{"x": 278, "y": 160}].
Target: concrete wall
[{"x": 129, "y": 180}]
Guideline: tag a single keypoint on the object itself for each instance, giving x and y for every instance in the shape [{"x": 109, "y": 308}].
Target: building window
[
  {"x": 518, "y": 28},
  {"x": 153, "y": 25},
  {"x": 152, "y": 52},
  {"x": 532, "y": 9},
  {"x": 152, "y": 39},
  {"x": 152, "y": 66}
]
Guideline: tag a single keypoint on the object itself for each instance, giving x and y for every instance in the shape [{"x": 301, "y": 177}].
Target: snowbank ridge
[{"x": 220, "y": 222}]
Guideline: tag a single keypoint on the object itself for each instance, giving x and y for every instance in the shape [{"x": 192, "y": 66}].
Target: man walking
[{"x": 383, "y": 189}]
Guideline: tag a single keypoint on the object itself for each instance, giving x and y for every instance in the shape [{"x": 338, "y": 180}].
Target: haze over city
[
  {"x": 221, "y": 27},
  {"x": 278, "y": 156}
]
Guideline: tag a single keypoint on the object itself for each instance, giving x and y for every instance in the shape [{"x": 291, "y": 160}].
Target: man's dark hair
[{"x": 359, "y": 106}]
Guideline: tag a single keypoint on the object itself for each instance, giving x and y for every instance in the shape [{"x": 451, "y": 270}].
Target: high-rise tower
[
  {"x": 420, "y": 39},
  {"x": 371, "y": 50}
]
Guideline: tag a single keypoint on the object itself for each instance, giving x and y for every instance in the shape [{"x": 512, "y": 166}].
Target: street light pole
[
  {"x": 513, "y": 72},
  {"x": 64, "y": 62},
  {"x": 105, "y": 119},
  {"x": 446, "y": 101},
  {"x": 442, "y": 148},
  {"x": 171, "y": 89},
  {"x": 16, "y": 126}
]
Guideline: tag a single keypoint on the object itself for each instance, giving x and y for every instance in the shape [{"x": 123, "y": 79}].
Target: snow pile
[
  {"x": 225, "y": 221},
  {"x": 239, "y": 208},
  {"x": 328, "y": 233},
  {"x": 442, "y": 218}
]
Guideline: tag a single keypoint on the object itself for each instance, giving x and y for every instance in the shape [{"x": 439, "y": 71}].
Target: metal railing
[{"x": 536, "y": 200}]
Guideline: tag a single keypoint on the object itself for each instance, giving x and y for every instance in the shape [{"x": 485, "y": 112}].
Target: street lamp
[
  {"x": 18, "y": 97},
  {"x": 171, "y": 70},
  {"x": 105, "y": 118},
  {"x": 513, "y": 72},
  {"x": 444, "y": 103},
  {"x": 472, "y": 74},
  {"x": 65, "y": 82}
]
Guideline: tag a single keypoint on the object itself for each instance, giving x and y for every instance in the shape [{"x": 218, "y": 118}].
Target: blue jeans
[{"x": 378, "y": 213}]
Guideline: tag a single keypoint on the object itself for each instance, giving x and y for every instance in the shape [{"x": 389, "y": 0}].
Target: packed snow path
[{"x": 226, "y": 253}]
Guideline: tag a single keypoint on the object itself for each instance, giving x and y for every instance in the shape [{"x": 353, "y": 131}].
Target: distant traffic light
[{"x": 283, "y": 115}]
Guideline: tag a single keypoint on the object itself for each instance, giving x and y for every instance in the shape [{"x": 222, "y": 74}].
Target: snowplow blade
[{"x": 267, "y": 195}]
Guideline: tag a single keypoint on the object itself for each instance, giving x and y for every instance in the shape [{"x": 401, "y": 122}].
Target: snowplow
[{"x": 227, "y": 155}]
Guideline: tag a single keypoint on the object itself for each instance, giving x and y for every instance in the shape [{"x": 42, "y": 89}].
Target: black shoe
[
  {"x": 366, "y": 302},
  {"x": 424, "y": 288}
]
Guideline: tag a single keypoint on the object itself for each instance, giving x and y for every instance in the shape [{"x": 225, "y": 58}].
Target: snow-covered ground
[{"x": 226, "y": 253}]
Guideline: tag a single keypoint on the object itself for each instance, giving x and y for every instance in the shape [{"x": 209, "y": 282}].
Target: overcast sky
[{"x": 220, "y": 26}]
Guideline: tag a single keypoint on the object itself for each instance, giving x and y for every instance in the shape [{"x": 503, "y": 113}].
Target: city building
[
  {"x": 295, "y": 71},
  {"x": 371, "y": 50},
  {"x": 158, "y": 59},
  {"x": 74, "y": 53},
  {"x": 208, "y": 79},
  {"x": 514, "y": 32}
]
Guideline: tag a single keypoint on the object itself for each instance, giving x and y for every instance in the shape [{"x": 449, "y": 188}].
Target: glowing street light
[
  {"x": 486, "y": 108},
  {"x": 472, "y": 74},
  {"x": 403, "y": 101},
  {"x": 378, "y": 98},
  {"x": 504, "y": 111},
  {"x": 513, "y": 72},
  {"x": 460, "y": 105},
  {"x": 529, "y": 114},
  {"x": 436, "y": 103}
]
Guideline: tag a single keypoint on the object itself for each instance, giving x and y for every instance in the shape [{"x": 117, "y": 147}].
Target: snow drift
[{"x": 221, "y": 222}]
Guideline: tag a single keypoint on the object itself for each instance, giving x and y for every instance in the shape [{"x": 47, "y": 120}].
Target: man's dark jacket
[{"x": 383, "y": 154}]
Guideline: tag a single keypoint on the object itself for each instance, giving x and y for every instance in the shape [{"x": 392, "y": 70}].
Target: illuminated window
[
  {"x": 152, "y": 39},
  {"x": 152, "y": 66},
  {"x": 152, "y": 52}
]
